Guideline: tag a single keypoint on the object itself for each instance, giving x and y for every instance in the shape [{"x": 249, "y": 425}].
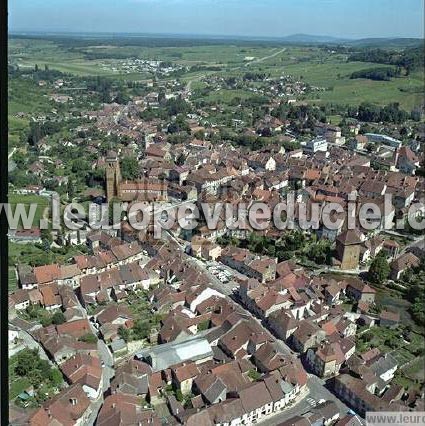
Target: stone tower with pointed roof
[
  {"x": 348, "y": 249},
  {"x": 113, "y": 175}
]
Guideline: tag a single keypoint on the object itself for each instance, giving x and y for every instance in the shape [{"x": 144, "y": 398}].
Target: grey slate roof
[
  {"x": 384, "y": 364},
  {"x": 163, "y": 356}
]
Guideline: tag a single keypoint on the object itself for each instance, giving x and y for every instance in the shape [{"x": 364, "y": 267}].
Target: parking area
[{"x": 221, "y": 273}]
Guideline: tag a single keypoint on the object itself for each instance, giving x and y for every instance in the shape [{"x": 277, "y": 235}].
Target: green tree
[
  {"x": 121, "y": 98},
  {"x": 124, "y": 333},
  {"x": 204, "y": 325},
  {"x": 319, "y": 252},
  {"x": 55, "y": 377},
  {"x": 130, "y": 168},
  {"x": 392, "y": 342},
  {"x": 413, "y": 279},
  {"x": 379, "y": 270},
  {"x": 58, "y": 318},
  {"x": 199, "y": 134},
  {"x": 417, "y": 310},
  {"x": 141, "y": 329},
  {"x": 70, "y": 189},
  {"x": 80, "y": 167},
  {"x": 25, "y": 361},
  {"x": 254, "y": 374},
  {"x": 88, "y": 338},
  {"x": 46, "y": 235}
]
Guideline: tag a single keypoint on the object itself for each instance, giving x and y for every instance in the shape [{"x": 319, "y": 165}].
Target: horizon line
[{"x": 199, "y": 35}]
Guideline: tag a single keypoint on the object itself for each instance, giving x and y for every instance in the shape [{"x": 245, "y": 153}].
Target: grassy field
[
  {"x": 334, "y": 119},
  {"x": 191, "y": 55},
  {"x": 315, "y": 66},
  {"x": 413, "y": 375},
  {"x": 46, "y": 380},
  {"x": 12, "y": 281},
  {"x": 33, "y": 255},
  {"x": 415, "y": 370},
  {"x": 390, "y": 300},
  {"x": 41, "y": 202},
  {"x": 402, "y": 356},
  {"x": 16, "y": 384},
  {"x": 27, "y": 53},
  {"x": 335, "y": 76},
  {"x": 16, "y": 126},
  {"x": 24, "y": 253},
  {"x": 225, "y": 96},
  {"x": 26, "y": 96}
]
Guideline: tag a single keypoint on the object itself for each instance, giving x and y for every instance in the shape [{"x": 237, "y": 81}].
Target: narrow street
[
  {"x": 29, "y": 342},
  {"x": 108, "y": 370},
  {"x": 316, "y": 392}
]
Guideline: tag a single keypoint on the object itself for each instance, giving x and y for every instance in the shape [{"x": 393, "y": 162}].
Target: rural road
[
  {"x": 189, "y": 83},
  {"x": 11, "y": 153},
  {"x": 256, "y": 61},
  {"x": 264, "y": 58}
]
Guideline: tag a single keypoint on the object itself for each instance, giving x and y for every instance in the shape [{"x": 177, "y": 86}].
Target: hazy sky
[{"x": 342, "y": 18}]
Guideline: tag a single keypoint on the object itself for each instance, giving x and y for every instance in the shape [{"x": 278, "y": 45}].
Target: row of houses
[
  {"x": 71, "y": 274},
  {"x": 224, "y": 353}
]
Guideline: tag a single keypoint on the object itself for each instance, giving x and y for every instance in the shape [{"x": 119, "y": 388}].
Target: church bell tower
[{"x": 113, "y": 175}]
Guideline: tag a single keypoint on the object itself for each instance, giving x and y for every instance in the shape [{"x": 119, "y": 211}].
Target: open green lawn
[
  {"x": 334, "y": 119},
  {"x": 34, "y": 255},
  {"x": 413, "y": 376},
  {"x": 393, "y": 300},
  {"x": 16, "y": 126},
  {"x": 226, "y": 96},
  {"x": 42, "y": 203},
  {"x": 321, "y": 69},
  {"x": 25, "y": 253},
  {"x": 46, "y": 383},
  {"x": 402, "y": 380},
  {"x": 75, "y": 67},
  {"x": 190, "y": 55},
  {"x": 416, "y": 370},
  {"x": 26, "y": 96},
  {"x": 16, "y": 384},
  {"x": 13, "y": 282},
  {"x": 379, "y": 337},
  {"x": 402, "y": 355},
  {"x": 335, "y": 75},
  {"x": 27, "y": 53}
]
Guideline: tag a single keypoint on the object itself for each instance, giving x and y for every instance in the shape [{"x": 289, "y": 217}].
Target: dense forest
[
  {"x": 410, "y": 59},
  {"x": 37, "y": 73},
  {"x": 373, "y": 113},
  {"x": 379, "y": 74}
]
